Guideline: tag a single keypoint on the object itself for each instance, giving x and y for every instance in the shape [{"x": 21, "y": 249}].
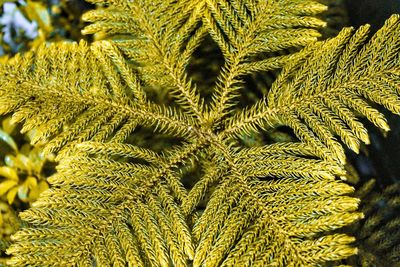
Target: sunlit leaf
[{"x": 9, "y": 173}]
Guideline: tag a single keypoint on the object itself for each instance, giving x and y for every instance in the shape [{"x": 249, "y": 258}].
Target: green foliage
[
  {"x": 9, "y": 224},
  {"x": 23, "y": 172},
  {"x": 197, "y": 192},
  {"x": 27, "y": 24},
  {"x": 378, "y": 233},
  {"x": 22, "y": 175}
]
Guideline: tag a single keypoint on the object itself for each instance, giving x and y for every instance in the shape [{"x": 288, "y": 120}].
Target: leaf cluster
[
  {"x": 377, "y": 234},
  {"x": 205, "y": 199}
]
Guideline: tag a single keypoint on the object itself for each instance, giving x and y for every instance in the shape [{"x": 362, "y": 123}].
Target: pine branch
[
  {"x": 242, "y": 37},
  {"x": 102, "y": 210},
  {"x": 241, "y": 214},
  {"x": 150, "y": 44},
  {"x": 324, "y": 88},
  {"x": 79, "y": 100},
  {"x": 116, "y": 202},
  {"x": 377, "y": 234}
]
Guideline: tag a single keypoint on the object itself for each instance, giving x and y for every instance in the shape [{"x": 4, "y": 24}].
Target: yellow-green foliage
[
  {"x": 21, "y": 174},
  {"x": 206, "y": 199},
  {"x": 378, "y": 233},
  {"x": 9, "y": 223},
  {"x": 57, "y": 20},
  {"x": 22, "y": 179}
]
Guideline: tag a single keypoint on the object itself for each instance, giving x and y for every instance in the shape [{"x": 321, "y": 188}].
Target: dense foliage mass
[{"x": 162, "y": 162}]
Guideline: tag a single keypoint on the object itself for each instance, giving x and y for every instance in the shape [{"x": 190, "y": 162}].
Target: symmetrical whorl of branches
[{"x": 115, "y": 202}]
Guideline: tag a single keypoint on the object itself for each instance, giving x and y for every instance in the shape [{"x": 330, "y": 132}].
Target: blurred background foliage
[
  {"x": 26, "y": 23},
  {"x": 375, "y": 172}
]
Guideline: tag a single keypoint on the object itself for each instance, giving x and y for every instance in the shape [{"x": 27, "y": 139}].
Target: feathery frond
[
  {"x": 242, "y": 29},
  {"x": 80, "y": 94},
  {"x": 318, "y": 94},
  {"x": 125, "y": 205},
  {"x": 378, "y": 234},
  {"x": 117, "y": 202}
]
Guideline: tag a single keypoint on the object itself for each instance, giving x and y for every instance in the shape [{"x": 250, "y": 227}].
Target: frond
[
  {"x": 254, "y": 220},
  {"x": 245, "y": 34},
  {"x": 108, "y": 212},
  {"x": 162, "y": 46},
  {"x": 137, "y": 213},
  {"x": 158, "y": 40},
  {"x": 268, "y": 24},
  {"x": 378, "y": 233},
  {"x": 78, "y": 93},
  {"x": 318, "y": 94},
  {"x": 115, "y": 201}
]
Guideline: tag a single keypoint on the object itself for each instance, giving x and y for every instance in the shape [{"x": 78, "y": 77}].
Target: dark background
[
  {"x": 373, "y": 12},
  {"x": 382, "y": 158}
]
